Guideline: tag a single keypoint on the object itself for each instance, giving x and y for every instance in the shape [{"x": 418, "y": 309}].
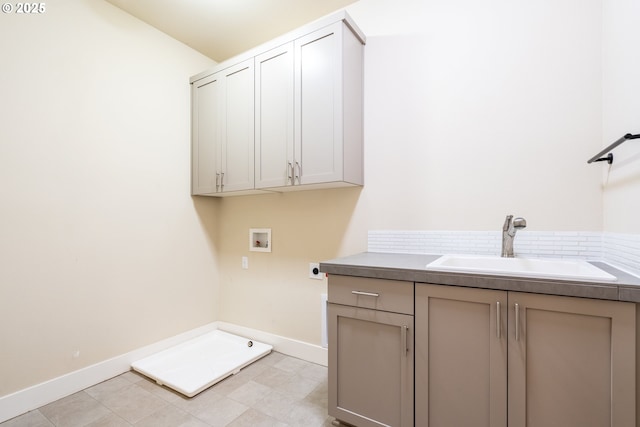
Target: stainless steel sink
[{"x": 523, "y": 267}]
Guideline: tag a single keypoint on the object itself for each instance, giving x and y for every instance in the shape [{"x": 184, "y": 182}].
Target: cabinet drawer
[{"x": 378, "y": 294}]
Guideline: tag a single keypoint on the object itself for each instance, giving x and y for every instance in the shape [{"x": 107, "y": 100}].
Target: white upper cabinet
[
  {"x": 274, "y": 117},
  {"x": 309, "y": 112},
  {"x": 205, "y": 135},
  {"x": 297, "y": 101},
  {"x": 237, "y": 149},
  {"x": 328, "y": 107},
  {"x": 222, "y": 131}
]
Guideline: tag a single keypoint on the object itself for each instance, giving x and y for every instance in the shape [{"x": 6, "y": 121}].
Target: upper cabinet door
[
  {"x": 222, "y": 131},
  {"x": 318, "y": 108},
  {"x": 274, "y": 117},
  {"x": 205, "y": 150},
  {"x": 237, "y": 168}
]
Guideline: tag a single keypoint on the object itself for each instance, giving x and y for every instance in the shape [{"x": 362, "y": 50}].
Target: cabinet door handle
[
  {"x": 290, "y": 172},
  {"x": 517, "y": 321},
  {"x": 367, "y": 294},
  {"x": 217, "y": 180},
  {"x": 405, "y": 347},
  {"x": 221, "y": 181},
  {"x": 498, "y": 319},
  {"x": 299, "y": 172}
]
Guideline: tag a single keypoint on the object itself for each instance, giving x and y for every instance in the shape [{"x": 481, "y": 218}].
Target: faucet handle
[{"x": 507, "y": 222}]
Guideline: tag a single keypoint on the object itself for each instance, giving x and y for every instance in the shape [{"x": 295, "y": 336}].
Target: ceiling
[{"x": 221, "y": 29}]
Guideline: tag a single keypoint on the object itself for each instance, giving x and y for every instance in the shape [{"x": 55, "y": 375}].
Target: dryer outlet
[{"x": 314, "y": 271}]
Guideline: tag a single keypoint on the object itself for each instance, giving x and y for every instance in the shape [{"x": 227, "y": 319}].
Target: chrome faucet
[{"x": 509, "y": 229}]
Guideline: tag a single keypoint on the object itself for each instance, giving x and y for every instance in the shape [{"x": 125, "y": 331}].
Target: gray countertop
[{"x": 411, "y": 268}]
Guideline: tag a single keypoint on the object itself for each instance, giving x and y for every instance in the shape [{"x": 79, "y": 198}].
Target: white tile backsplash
[
  {"x": 623, "y": 251},
  {"x": 434, "y": 242},
  {"x": 618, "y": 249}
]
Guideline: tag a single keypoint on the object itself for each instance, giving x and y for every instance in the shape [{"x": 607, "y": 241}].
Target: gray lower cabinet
[
  {"x": 496, "y": 358},
  {"x": 461, "y": 357},
  {"x": 371, "y": 354},
  {"x": 571, "y": 362}
]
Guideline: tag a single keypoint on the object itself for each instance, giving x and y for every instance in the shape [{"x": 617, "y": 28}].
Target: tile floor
[{"x": 277, "y": 390}]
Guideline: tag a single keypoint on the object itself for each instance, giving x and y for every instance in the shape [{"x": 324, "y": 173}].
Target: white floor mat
[{"x": 197, "y": 364}]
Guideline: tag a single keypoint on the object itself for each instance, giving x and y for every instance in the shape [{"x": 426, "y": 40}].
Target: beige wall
[
  {"x": 101, "y": 248},
  {"x": 621, "y": 115},
  {"x": 473, "y": 110},
  {"x": 275, "y": 293}
]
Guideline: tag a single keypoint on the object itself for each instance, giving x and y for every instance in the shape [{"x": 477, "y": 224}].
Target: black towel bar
[{"x": 609, "y": 157}]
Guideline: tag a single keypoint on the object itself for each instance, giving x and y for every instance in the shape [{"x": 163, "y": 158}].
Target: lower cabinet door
[
  {"x": 571, "y": 362},
  {"x": 370, "y": 366},
  {"x": 461, "y": 356}
]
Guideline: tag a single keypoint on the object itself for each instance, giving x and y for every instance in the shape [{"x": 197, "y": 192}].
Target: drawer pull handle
[{"x": 367, "y": 294}]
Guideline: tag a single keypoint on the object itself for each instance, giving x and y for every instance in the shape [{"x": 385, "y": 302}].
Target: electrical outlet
[
  {"x": 245, "y": 263},
  {"x": 314, "y": 271}
]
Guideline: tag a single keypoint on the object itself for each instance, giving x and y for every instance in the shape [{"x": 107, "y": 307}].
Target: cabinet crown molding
[{"x": 285, "y": 38}]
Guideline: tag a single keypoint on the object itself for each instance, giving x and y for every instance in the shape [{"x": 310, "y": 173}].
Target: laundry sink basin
[{"x": 522, "y": 267}]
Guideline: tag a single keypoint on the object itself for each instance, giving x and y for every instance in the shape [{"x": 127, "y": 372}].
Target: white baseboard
[
  {"x": 290, "y": 347},
  {"x": 44, "y": 393}
]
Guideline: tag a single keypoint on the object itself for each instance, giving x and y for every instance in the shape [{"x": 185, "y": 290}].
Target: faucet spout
[{"x": 509, "y": 229}]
